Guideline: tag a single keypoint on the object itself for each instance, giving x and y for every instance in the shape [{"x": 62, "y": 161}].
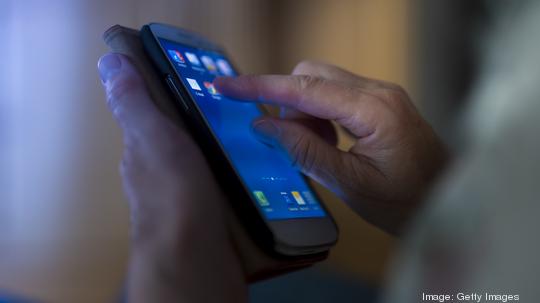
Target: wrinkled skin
[
  {"x": 180, "y": 247},
  {"x": 395, "y": 157},
  {"x": 181, "y": 251}
]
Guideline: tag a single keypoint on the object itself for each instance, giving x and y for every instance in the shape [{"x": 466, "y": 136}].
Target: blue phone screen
[{"x": 278, "y": 187}]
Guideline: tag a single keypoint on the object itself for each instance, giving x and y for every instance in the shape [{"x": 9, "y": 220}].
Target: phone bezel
[{"x": 288, "y": 237}]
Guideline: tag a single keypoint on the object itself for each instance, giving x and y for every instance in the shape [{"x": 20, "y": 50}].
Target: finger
[
  {"x": 308, "y": 94},
  {"x": 307, "y": 151},
  {"x": 323, "y": 128},
  {"x": 353, "y": 108},
  {"x": 334, "y": 73},
  {"x": 319, "y": 70},
  {"x": 329, "y": 72},
  {"x": 127, "y": 95}
]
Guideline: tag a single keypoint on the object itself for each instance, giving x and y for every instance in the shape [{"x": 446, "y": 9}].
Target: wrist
[{"x": 191, "y": 266}]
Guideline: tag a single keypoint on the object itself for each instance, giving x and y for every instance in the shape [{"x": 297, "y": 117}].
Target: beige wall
[{"x": 65, "y": 239}]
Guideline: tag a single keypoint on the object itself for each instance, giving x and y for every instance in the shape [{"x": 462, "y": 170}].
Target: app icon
[
  {"x": 210, "y": 87},
  {"x": 193, "y": 83},
  {"x": 224, "y": 67},
  {"x": 192, "y": 58},
  {"x": 309, "y": 197},
  {"x": 209, "y": 63},
  {"x": 286, "y": 197},
  {"x": 176, "y": 56},
  {"x": 298, "y": 198},
  {"x": 261, "y": 198}
]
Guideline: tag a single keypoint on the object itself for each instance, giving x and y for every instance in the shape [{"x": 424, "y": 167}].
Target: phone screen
[{"x": 279, "y": 188}]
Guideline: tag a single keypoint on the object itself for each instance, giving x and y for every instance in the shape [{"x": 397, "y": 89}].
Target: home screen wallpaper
[{"x": 278, "y": 187}]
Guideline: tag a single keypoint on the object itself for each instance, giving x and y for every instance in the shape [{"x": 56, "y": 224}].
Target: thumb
[
  {"x": 127, "y": 95},
  {"x": 309, "y": 152}
]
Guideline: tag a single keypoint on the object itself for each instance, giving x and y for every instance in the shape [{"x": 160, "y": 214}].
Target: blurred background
[{"x": 63, "y": 217}]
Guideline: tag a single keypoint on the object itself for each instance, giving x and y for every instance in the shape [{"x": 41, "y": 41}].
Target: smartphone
[{"x": 272, "y": 199}]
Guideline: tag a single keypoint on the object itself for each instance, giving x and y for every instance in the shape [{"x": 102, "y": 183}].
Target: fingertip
[
  {"x": 121, "y": 79},
  {"x": 220, "y": 81},
  {"x": 230, "y": 86},
  {"x": 126, "y": 92},
  {"x": 111, "y": 65}
]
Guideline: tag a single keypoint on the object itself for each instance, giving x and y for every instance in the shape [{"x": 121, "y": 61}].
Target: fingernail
[
  {"x": 266, "y": 131},
  {"x": 108, "y": 66}
]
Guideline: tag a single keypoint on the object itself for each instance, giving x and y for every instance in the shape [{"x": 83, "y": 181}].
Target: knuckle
[
  {"x": 395, "y": 93},
  {"x": 121, "y": 87},
  {"x": 305, "y": 67},
  {"x": 397, "y": 101},
  {"x": 303, "y": 154},
  {"x": 400, "y": 110},
  {"x": 307, "y": 82}
]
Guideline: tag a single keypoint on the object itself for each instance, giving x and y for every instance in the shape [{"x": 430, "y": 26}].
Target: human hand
[
  {"x": 180, "y": 246},
  {"x": 396, "y": 154}
]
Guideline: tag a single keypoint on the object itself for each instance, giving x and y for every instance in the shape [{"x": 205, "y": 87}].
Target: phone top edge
[{"x": 185, "y": 36}]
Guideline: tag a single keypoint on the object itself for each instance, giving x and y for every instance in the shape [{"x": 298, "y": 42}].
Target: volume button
[{"x": 175, "y": 91}]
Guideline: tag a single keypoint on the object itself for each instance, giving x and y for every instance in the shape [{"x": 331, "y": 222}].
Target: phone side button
[{"x": 175, "y": 91}]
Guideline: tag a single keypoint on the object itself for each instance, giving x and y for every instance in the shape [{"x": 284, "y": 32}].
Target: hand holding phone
[
  {"x": 257, "y": 263},
  {"x": 273, "y": 238},
  {"x": 180, "y": 248}
]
